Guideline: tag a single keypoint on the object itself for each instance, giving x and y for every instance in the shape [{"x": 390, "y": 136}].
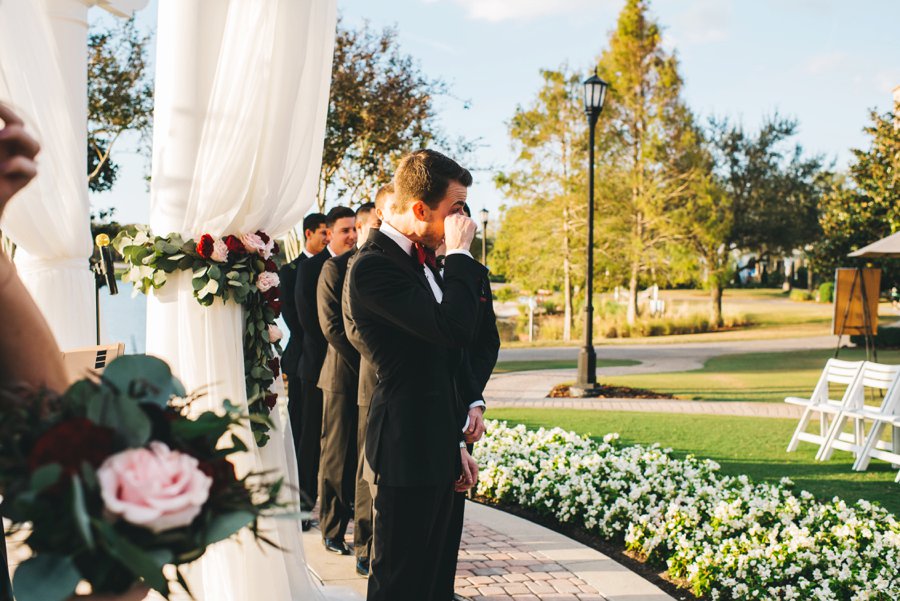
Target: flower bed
[{"x": 725, "y": 537}]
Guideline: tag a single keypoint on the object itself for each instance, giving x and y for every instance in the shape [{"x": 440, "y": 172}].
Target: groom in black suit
[{"x": 414, "y": 324}]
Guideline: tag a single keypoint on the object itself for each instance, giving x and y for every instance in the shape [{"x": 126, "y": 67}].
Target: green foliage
[
  {"x": 381, "y": 107},
  {"x": 826, "y": 292},
  {"x": 120, "y": 97},
  {"x": 865, "y": 206},
  {"x": 802, "y": 296}
]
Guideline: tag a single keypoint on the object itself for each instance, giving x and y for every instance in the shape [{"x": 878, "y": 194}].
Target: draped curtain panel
[
  {"x": 241, "y": 100},
  {"x": 50, "y": 219}
]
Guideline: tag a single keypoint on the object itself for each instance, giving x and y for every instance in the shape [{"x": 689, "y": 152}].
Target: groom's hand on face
[
  {"x": 459, "y": 231},
  {"x": 469, "y": 475}
]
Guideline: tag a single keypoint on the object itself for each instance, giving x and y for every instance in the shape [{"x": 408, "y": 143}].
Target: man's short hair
[
  {"x": 312, "y": 222},
  {"x": 362, "y": 212},
  {"x": 425, "y": 175},
  {"x": 338, "y": 212},
  {"x": 382, "y": 195}
]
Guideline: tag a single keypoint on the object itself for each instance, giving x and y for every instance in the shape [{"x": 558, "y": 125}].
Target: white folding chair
[
  {"x": 89, "y": 360},
  {"x": 873, "y": 377},
  {"x": 838, "y": 372}
]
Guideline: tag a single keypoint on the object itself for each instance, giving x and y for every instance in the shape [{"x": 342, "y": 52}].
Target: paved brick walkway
[{"x": 494, "y": 566}]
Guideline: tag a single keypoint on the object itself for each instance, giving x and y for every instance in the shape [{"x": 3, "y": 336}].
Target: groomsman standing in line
[
  {"x": 339, "y": 382},
  {"x": 342, "y": 237},
  {"x": 315, "y": 237},
  {"x": 414, "y": 324},
  {"x": 365, "y": 490}
]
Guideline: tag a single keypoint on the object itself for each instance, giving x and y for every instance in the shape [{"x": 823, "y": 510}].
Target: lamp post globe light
[
  {"x": 586, "y": 382},
  {"x": 484, "y": 222}
]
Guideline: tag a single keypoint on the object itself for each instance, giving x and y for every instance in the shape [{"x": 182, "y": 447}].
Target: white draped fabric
[
  {"x": 50, "y": 220},
  {"x": 241, "y": 100}
]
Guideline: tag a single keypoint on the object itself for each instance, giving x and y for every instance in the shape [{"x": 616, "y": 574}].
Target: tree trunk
[
  {"x": 567, "y": 279},
  {"x": 631, "y": 315},
  {"x": 715, "y": 308}
]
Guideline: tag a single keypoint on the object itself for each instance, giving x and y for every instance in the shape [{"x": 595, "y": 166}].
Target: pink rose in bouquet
[
  {"x": 219, "y": 251},
  {"x": 267, "y": 280},
  {"x": 255, "y": 243},
  {"x": 274, "y": 333},
  {"x": 154, "y": 487}
]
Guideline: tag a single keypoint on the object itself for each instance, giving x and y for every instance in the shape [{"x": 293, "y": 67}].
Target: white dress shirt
[
  {"x": 407, "y": 245},
  {"x": 308, "y": 254}
]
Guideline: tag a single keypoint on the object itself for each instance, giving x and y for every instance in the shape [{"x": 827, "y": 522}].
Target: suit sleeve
[
  {"x": 331, "y": 315},
  {"x": 483, "y": 357},
  {"x": 382, "y": 288},
  {"x": 305, "y": 299},
  {"x": 288, "y": 277}
]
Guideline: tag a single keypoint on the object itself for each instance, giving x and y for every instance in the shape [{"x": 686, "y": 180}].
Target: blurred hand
[
  {"x": 476, "y": 427},
  {"x": 469, "y": 475},
  {"x": 459, "y": 231},
  {"x": 17, "y": 152}
]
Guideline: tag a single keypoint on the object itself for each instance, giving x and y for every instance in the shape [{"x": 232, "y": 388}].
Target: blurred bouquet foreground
[{"x": 113, "y": 480}]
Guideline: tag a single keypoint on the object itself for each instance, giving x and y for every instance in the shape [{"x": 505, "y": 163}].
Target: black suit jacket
[
  {"x": 305, "y": 297},
  {"x": 480, "y": 357},
  {"x": 367, "y": 376},
  {"x": 287, "y": 275},
  {"x": 415, "y": 345},
  {"x": 340, "y": 371}
]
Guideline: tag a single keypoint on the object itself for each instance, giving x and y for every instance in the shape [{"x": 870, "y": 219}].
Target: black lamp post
[
  {"x": 484, "y": 220},
  {"x": 586, "y": 382}
]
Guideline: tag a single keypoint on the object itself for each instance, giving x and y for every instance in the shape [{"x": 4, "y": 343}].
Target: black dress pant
[
  {"x": 295, "y": 410},
  {"x": 411, "y": 526},
  {"x": 310, "y": 443},
  {"x": 337, "y": 466},
  {"x": 362, "y": 510},
  {"x": 447, "y": 575}
]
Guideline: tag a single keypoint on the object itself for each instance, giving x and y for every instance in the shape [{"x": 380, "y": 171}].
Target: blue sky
[{"x": 825, "y": 62}]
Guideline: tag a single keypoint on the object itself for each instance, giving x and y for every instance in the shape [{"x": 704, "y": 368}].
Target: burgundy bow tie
[{"x": 424, "y": 256}]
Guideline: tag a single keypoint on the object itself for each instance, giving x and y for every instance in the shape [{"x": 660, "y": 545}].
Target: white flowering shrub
[{"x": 727, "y": 537}]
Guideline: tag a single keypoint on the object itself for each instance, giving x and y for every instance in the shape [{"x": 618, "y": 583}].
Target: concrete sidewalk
[{"x": 506, "y": 558}]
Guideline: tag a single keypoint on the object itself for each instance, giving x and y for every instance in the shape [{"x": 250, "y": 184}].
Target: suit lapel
[{"x": 393, "y": 250}]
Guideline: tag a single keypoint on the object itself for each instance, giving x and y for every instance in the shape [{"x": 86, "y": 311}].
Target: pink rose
[
  {"x": 274, "y": 334},
  {"x": 255, "y": 244},
  {"x": 267, "y": 280},
  {"x": 219, "y": 251},
  {"x": 156, "y": 488}
]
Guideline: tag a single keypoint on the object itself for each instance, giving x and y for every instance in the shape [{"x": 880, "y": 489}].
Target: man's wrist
[
  {"x": 479, "y": 403},
  {"x": 459, "y": 251}
]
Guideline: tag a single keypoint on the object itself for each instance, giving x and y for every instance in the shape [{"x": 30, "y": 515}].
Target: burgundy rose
[
  {"x": 264, "y": 236},
  {"x": 270, "y": 400},
  {"x": 272, "y": 294},
  {"x": 221, "y": 471},
  {"x": 275, "y": 305},
  {"x": 234, "y": 244},
  {"x": 205, "y": 246},
  {"x": 274, "y": 364},
  {"x": 271, "y": 266},
  {"x": 70, "y": 443},
  {"x": 275, "y": 248}
]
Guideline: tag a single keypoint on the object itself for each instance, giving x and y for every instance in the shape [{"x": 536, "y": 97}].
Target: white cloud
[
  {"x": 886, "y": 81},
  {"x": 826, "y": 63},
  {"x": 519, "y": 10},
  {"x": 703, "y": 22}
]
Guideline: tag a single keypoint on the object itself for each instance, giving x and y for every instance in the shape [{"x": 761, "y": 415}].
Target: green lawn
[
  {"x": 765, "y": 377},
  {"x": 741, "y": 445},
  {"x": 509, "y": 366}
]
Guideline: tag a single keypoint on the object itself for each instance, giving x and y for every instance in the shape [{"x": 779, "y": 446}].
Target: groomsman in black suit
[
  {"x": 315, "y": 237},
  {"x": 342, "y": 237},
  {"x": 472, "y": 377},
  {"x": 414, "y": 324},
  {"x": 364, "y": 491},
  {"x": 339, "y": 383}
]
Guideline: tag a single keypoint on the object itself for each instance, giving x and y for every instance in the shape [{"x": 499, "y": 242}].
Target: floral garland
[{"x": 239, "y": 268}]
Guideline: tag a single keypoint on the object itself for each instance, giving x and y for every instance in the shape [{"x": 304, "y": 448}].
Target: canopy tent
[{"x": 886, "y": 248}]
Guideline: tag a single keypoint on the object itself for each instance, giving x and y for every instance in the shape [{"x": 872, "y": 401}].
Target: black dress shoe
[
  {"x": 362, "y": 566},
  {"x": 336, "y": 545},
  {"x": 308, "y": 525}
]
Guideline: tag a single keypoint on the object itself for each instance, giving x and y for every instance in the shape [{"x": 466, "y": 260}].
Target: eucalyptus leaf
[
  {"x": 223, "y": 526},
  {"x": 79, "y": 510},
  {"x": 45, "y": 476},
  {"x": 146, "y": 379},
  {"x": 214, "y": 272},
  {"x": 46, "y": 577},
  {"x": 122, "y": 415},
  {"x": 143, "y": 564}
]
